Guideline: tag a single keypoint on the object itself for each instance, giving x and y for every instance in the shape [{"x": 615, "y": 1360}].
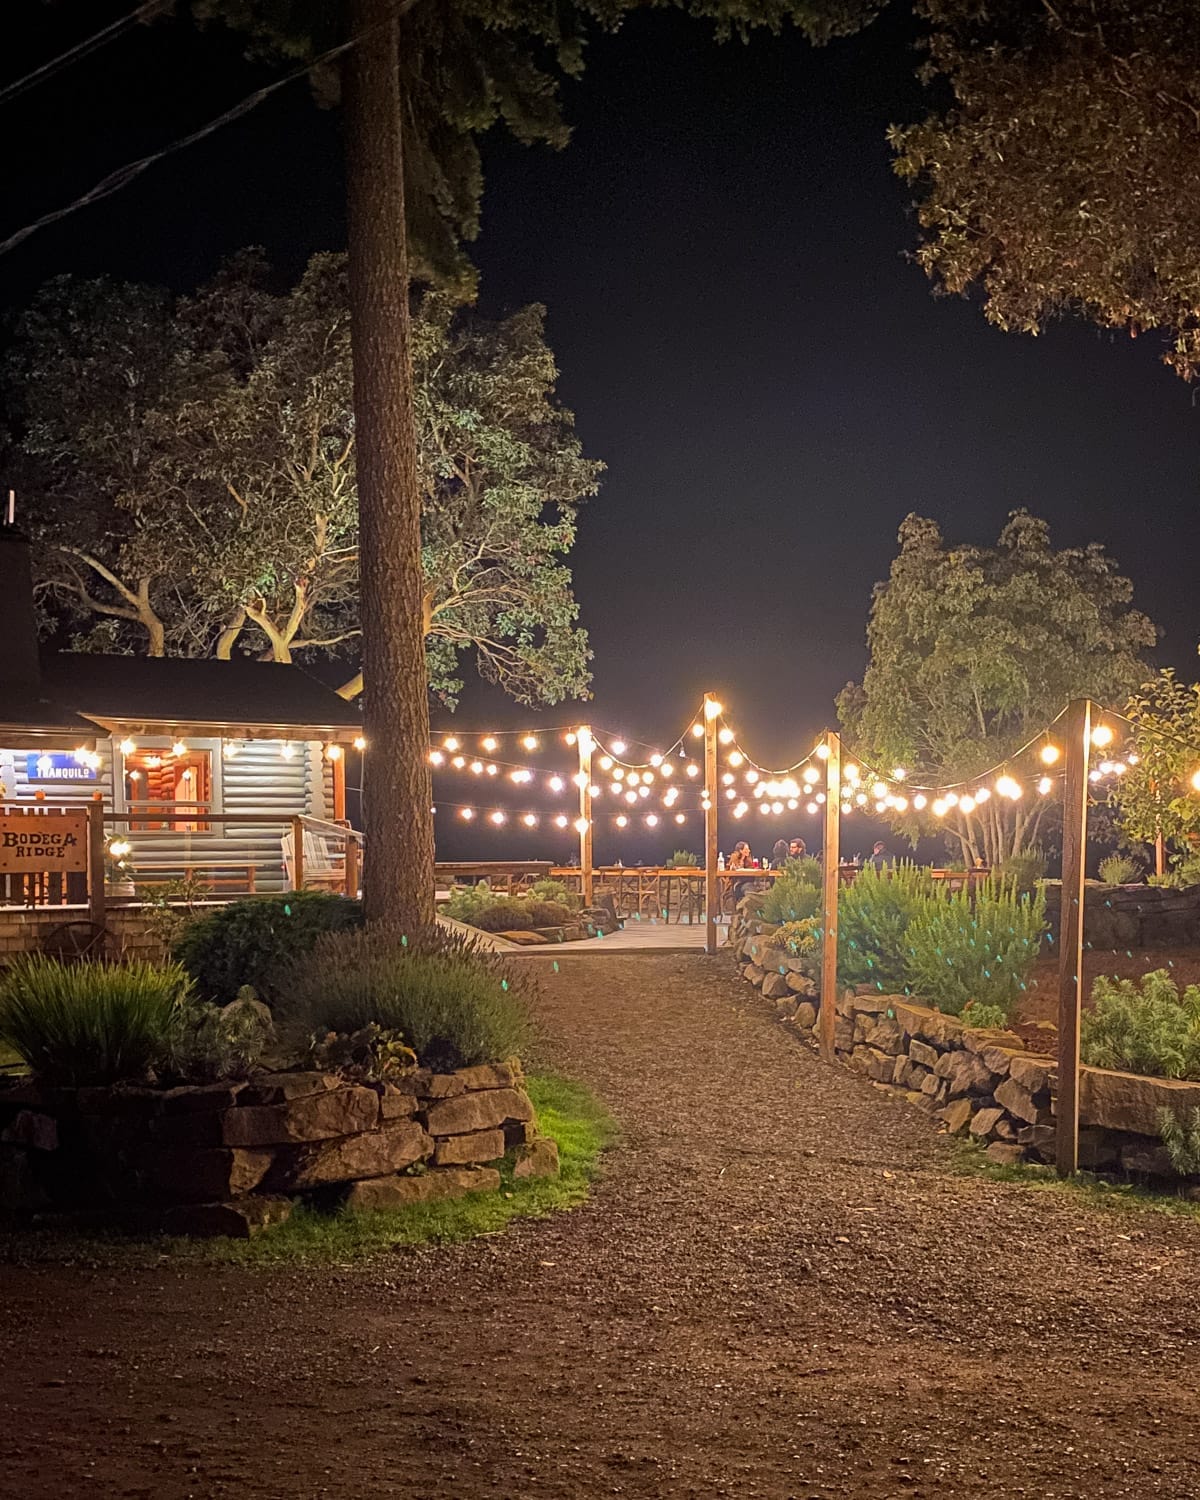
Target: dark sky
[{"x": 722, "y": 252}]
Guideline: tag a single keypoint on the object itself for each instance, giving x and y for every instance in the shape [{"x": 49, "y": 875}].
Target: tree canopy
[
  {"x": 1154, "y": 796},
  {"x": 974, "y": 649},
  {"x": 191, "y": 464},
  {"x": 1063, "y": 176}
]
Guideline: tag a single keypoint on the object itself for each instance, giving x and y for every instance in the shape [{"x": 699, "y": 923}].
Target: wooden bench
[{"x": 323, "y": 868}]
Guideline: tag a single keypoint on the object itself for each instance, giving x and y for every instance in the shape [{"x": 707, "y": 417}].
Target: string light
[
  {"x": 681, "y": 817},
  {"x": 1007, "y": 787},
  {"x": 606, "y": 762},
  {"x": 556, "y": 783},
  {"x": 581, "y": 825},
  {"x": 822, "y": 751},
  {"x": 530, "y": 820},
  {"x": 530, "y": 742},
  {"x": 712, "y": 710},
  {"x": 651, "y": 820},
  {"x": 692, "y": 768},
  {"x": 436, "y": 758},
  {"x": 179, "y": 748},
  {"x": 128, "y": 747},
  {"x": 360, "y": 742},
  {"x": 560, "y": 821},
  {"x": 467, "y": 813},
  {"x": 497, "y": 817},
  {"x": 622, "y": 821},
  {"x": 1102, "y": 735},
  {"x": 450, "y": 743},
  {"x": 725, "y": 735},
  {"x": 898, "y": 773},
  {"x": 697, "y": 730},
  {"x": 619, "y": 747},
  {"x": 489, "y": 743},
  {"x": 1045, "y": 785},
  {"x": 736, "y": 758},
  {"x": 1049, "y": 754}
]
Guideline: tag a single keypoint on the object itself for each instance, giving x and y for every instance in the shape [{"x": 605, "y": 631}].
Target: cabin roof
[{"x": 250, "y": 699}]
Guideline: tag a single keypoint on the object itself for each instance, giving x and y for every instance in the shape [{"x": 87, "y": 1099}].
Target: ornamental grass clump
[
  {"x": 1143, "y": 1027},
  {"x": 975, "y": 946},
  {"x": 90, "y": 1023},
  {"x": 452, "y": 1004},
  {"x": 1118, "y": 869}
]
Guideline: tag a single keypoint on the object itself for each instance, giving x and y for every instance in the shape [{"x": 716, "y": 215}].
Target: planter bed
[{"x": 232, "y": 1158}]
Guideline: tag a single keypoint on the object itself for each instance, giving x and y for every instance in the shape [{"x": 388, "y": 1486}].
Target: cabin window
[{"x": 166, "y": 790}]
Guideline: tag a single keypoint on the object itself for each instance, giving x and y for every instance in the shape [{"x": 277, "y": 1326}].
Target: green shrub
[
  {"x": 794, "y": 895},
  {"x": 468, "y": 901},
  {"x": 801, "y": 939},
  {"x": 989, "y": 1016},
  {"x": 1181, "y": 1136},
  {"x": 1146, "y": 1027},
  {"x": 682, "y": 859},
  {"x": 874, "y": 914},
  {"x": 1183, "y": 874},
  {"x": 207, "y": 1043},
  {"x": 252, "y": 942},
  {"x": 978, "y": 947},
  {"x": 89, "y": 1023},
  {"x": 454, "y": 1005},
  {"x": 1119, "y": 869},
  {"x": 1024, "y": 869},
  {"x": 505, "y": 914},
  {"x": 548, "y": 913},
  {"x": 555, "y": 890}
]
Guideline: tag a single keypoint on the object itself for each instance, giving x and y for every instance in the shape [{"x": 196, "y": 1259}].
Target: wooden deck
[{"x": 646, "y": 936}]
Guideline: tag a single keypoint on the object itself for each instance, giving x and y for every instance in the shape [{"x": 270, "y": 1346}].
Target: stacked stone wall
[
  {"x": 230, "y": 1158},
  {"x": 981, "y": 1083}
]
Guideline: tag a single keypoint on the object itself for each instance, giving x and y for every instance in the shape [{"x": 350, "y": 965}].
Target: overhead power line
[
  {"x": 123, "y": 176},
  {"x": 83, "y": 49}
]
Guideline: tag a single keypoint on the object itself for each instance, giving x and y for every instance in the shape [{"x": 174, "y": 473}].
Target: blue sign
[{"x": 42, "y": 765}]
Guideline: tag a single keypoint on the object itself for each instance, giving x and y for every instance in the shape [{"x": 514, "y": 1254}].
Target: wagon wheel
[{"x": 75, "y": 941}]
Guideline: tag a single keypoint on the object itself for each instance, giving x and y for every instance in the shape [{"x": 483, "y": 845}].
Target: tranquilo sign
[
  {"x": 34, "y": 843},
  {"x": 40, "y": 765}
]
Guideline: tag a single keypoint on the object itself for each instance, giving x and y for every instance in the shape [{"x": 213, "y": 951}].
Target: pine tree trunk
[{"x": 397, "y": 817}]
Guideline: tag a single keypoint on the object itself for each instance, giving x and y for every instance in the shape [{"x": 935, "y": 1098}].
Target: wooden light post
[
  {"x": 712, "y": 894},
  {"x": 831, "y": 858},
  {"x": 585, "y": 742},
  {"x": 1070, "y": 935}
]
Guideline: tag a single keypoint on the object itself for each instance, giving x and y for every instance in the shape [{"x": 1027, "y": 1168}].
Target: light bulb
[
  {"x": 570, "y": 738},
  {"x": 736, "y": 757},
  {"x": 740, "y": 810},
  {"x": 1102, "y": 735},
  {"x": 982, "y": 794},
  {"x": 580, "y": 779},
  {"x": 467, "y": 813},
  {"x": 631, "y": 797},
  {"x": 128, "y": 747},
  {"x": 179, "y": 748},
  {"x": 920, "y": 801},
  {"x": 712, "y": 709},
  {"x": 667, "y": 769},
  {"x": 556, "y": 783},
  {"x": 900, "y": 804},
  {"x": 939, "y": 808},
  {"x": 450, "y": 743},
  {"x": 697, "y": 730},
  {"x": 725, "y": 735},
  {"x": 492, "y": 770},
  {"x": 692, "y": 768},
  {"x": 459, "y": 762},
  {"x": 681, "y": 817},
  {"x": 619, "y": 773},
  {"x": 530, "y": 742},
  {"x": 606, "y": 762},
  {"x": 622, "y": 821},
  {"x": 656, "y": 759},
  {"x": 1007, "y": 787},
  {"x": 1049, "y": 754},
  {"x": 812, "y": 807},
  {"x": 898, "y": 773},
  {"x": 651, "y": 820},
  {"x": 879, "y": 791},
  {"x": 561, "y": 821},
  {"x": 966, "y": 805},
  {"x": 751, "y": 777},
  {"x": 727, "y": 778},
  {"x": 619, "y": 747},
  {"x": 581, "y": 825},
  {"x": 1196, "y": 780},
  {"x": 497, "y": 818},
  {"x": 1045, "y": 785}
]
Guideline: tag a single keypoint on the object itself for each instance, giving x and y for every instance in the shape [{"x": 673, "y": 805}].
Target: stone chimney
[{"x": 18, "y": 620}]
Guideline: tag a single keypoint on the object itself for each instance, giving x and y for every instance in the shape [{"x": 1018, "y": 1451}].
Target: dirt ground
[
  {"x": 1041, "y": 1003},
  {"x": 780, "y": 1289}
]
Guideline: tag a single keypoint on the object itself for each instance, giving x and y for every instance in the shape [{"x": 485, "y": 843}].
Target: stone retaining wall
[
  {"x": 230, "y": 1158},
  {"x": 979, "y": 1082},
  {"x": 25, "y": 931},
  {"x": 1132, "y": 916}
]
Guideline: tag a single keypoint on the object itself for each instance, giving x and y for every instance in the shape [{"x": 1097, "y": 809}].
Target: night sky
[{"x": 722, "y": 253}]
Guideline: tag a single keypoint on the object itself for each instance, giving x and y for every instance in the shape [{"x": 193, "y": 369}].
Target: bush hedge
[
  {"x": 1143, "y": 1027},
  {"x": 254, "y": 942}
]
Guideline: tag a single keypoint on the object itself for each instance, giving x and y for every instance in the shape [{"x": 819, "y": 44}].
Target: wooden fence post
[
  {"x": 1070, "y": 934},
  {"x": 585, "y": 742},
  {"x": 712, "y": 891},
  {"x": 298, "y": 853},
  {"x": 831, "y": 858},
  {"x": 97, "y": 906}
]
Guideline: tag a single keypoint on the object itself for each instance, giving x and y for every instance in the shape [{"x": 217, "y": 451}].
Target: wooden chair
[{"x": 323, "y": 868}]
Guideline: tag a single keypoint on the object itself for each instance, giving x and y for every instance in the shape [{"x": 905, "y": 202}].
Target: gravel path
[{"x": 779, "y": 1290}]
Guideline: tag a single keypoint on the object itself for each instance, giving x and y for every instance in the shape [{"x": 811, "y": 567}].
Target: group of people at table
[{"x": 785, "y": 849}]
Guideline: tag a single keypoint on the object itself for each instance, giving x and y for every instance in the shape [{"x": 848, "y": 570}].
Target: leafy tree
[
  {"x": 1062, "y": 176},
  {"x": 974, "y": 649},
  {"x": 1152, "y": 797},
  {"x": 232, "y": 500},
  {"x": 418, "y": 82}
]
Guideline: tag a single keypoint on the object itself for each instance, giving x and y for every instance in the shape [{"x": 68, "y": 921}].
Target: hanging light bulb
[
  {"x": 1049, "y": 754},
  {"x": 616, "y": 788},
  {"x": 606, "y": 762},
  {"x": 740, "y": 810},
  {"x": 730, "y": 793},
  {"x": 492, "y": 770},
  {"x": 560, "y": 821},
  {"x": 656, "y": 759},
  {"x": 1196, "y": 780},
  {"x": 128, "y": 747},
  {"x": 436, "y": 757},
  {"x": 459, "y": 762},
  {"x": 180, "y": 748},
  {"x": 666, "y": 768},
  {"x": 580, "y": 779},
  {"x": 982, "y": 794},
  {"x": 692, "y": 768},
  {"x": 594, "y": 791},
  {"x": 619, "y": 773},
  {"x": 751, "y": 777},
  {"x": 920, "y": 801},
  {"x": 1102, "y": 735},
  {"x": 939, "y": 807},
  {"x": 736, "y": 757},
  {"x": 1007, "y": 787},
  {"x": 631, "y": 797},
  {"x": 900, "y": 804},
  {"x": 556, "y": 783},
  {"x": 619, "y": 747},
  {"x": 851, "y": 774},
  {"x": 966, "y": 805},
  {"x": 727, "y": 778},
  {"x": 860, "y": 799},
  {"x": 622, "y": 821},
  {"x": 725, "y": 735},
  {"x": 489, "y": 743},
  {"x": 898, "y": 773},
  {"x": 570, "y": 737},
  {"x": 529, "y": 820},
  {"x": 497, "y": 817},
  {"x": 681, "y": 817},
  {"x": 450, "y": 743},
  {"x": 697, "y": 730},
  {"x": 879, "y": 791},
  {"x": 1045, "y": 785},
  {"x": 643, "y": 791},
  {"x": 651, "y": 820},
  {"x": 812, "y": 807},
  {"x": 822, "y": 751},
  {"x": 467, "y": 813},
  {"x": 950, "y": 799},
  {"x": 530, "y": 742},
  {"x": 712, "y": 709},
  {"x": 792, "y": 804},
  {"x": 581, "y": 825},
  {"x": 810, "y": 773}
]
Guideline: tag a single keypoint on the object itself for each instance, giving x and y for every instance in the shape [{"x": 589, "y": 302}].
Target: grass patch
[
  {"x": 1085, "y": 1188},
  {"x": 566, "y": 1111}
]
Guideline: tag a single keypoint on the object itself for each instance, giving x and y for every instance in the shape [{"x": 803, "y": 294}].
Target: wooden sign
[{"x": 38, "y": 843}]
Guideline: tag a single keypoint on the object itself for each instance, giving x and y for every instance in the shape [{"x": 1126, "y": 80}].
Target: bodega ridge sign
[{"x": 39, "y": 843}]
